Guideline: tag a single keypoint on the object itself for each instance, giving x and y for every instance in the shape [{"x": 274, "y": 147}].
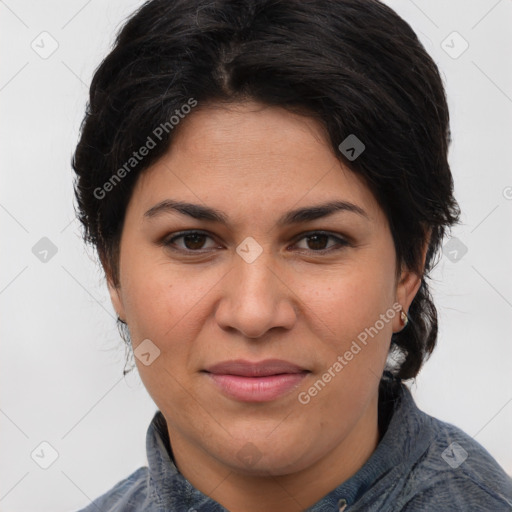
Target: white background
[{"x": 61, "y": 355}]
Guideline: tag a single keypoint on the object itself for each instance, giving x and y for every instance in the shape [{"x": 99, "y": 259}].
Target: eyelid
[{"x": 341, "y": 240}]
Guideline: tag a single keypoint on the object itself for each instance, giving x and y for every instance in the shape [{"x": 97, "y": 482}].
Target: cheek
[
  {"x": 164, "y": 306},
  {"x": 353, "y": 298},
  {"x": 347, "y": 312},
  {"x": 164, "y": 302},
  {"x": 353, "y": 313}
]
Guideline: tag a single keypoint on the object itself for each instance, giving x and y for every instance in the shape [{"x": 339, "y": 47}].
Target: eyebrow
[{"x": 300, "y": 215}]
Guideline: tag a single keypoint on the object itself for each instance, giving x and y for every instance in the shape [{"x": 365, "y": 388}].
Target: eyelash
[{"x": 341, "y": 242}]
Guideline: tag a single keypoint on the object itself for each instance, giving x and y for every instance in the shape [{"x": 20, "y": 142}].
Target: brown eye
[
  {"x": 193, "y": 241},
  {"x": 317, "y": 242}
]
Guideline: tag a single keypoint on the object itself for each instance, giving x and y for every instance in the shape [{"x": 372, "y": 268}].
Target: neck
[{"x": 288, "y": 492}]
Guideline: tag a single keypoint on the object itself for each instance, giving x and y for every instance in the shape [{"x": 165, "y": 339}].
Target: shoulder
[
  {"x": 128, "y": 495},
  {"x": 456, "y": 472}
]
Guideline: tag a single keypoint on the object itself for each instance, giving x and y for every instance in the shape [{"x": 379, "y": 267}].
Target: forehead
[{"x": 252, "y": 157}]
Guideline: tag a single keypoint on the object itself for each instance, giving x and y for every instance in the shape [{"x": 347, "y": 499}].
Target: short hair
[{"x": 353, "y": 65}]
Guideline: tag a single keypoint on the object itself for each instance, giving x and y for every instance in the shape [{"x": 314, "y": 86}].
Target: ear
[{"x": 408, "y": 285}]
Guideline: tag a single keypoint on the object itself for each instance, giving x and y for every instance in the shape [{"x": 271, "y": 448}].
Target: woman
[{"x": 267, "y": 186}]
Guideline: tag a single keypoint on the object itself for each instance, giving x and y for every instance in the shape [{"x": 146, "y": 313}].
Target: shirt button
[{"x": 342, "y": 505}]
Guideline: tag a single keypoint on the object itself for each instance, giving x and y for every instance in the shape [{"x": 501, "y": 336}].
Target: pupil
[
  {"x": 316, "y": 237},
  {"x": 193, "y": 236}
]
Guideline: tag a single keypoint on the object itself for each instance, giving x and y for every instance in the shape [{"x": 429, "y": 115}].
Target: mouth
[{"x": 261, "y": 381}]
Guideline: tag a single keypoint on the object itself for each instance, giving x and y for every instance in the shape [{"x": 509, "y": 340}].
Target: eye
[
  {"x": 194, "y": 241},
  {"x": 317, "y": 240}
]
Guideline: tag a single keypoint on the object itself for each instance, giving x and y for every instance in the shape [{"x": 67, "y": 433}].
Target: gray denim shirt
[{"x": 420, "y": 464}]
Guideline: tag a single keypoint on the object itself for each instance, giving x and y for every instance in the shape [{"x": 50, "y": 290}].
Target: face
[{"x": 317, "y": 293}]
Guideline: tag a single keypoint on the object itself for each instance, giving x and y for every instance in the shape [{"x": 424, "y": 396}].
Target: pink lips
[{"x": 256, "y": 382}]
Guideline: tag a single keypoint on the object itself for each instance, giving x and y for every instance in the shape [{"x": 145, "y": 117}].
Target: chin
[{"x": 260, "y": 457}]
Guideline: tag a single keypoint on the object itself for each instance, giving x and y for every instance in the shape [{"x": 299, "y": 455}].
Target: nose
[{"x": 256, "y": 298}]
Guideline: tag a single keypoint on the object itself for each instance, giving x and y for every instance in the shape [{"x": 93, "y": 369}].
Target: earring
[{"x": 404, "y": 317}]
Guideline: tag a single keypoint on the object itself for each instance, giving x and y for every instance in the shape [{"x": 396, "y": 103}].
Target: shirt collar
[{"x": 408, "y": 435}]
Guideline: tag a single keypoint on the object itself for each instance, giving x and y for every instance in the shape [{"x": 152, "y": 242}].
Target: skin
[{"x": 255, "y": 163}]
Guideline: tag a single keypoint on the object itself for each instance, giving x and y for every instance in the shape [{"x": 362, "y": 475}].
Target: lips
[
  {"x": 257, "y": 369},
  {"x": 261, "y": 381}
]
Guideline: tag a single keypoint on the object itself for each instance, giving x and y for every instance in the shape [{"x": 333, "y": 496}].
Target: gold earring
[{"x": 404, "y": 317}]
